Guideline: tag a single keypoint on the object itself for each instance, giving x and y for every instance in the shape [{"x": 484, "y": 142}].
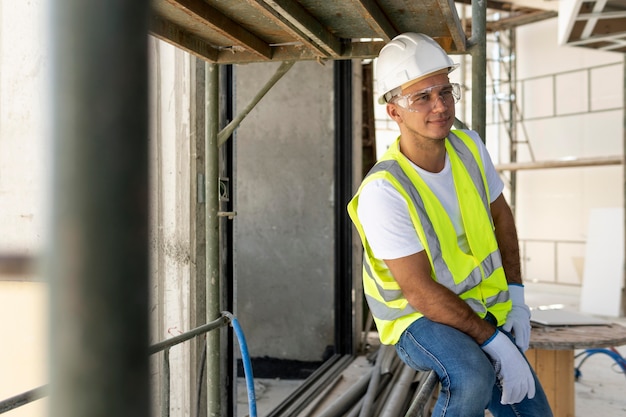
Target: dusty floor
[{"x": 600, "y": 389}]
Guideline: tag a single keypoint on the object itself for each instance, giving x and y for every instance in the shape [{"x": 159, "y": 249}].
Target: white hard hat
[{"x": 407, "y": 57}]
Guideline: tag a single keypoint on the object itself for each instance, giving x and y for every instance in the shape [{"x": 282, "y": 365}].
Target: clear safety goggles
[{"x": 425, "y": 100}]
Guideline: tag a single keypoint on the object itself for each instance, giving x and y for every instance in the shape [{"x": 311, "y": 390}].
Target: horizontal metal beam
[
  {"x": 520, "y": 19},
  {"x": 352, "y": 50},
  {"x": 562, "y": 163},
  {"x": 612, "y": 37},
  {"x": 602, "y": 15},
  {"x": 165, "y": 344}
]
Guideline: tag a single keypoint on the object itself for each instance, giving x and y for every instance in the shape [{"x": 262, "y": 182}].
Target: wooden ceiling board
[
  {"x": 269, "y": 30},
  {"x": 238, "y": 31}
]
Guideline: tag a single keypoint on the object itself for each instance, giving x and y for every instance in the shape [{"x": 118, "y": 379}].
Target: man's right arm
[
  {"x": 433, "y": 300},
  {"x": 441, "y": 305}
]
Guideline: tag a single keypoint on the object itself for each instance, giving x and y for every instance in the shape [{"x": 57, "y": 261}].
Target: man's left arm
[
  {"x": 518, "y": 320},
  {"x": 506, "y": 235}
]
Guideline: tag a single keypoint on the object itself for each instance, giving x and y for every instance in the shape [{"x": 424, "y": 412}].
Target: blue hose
[
  {"x": 247, "y": 365},
  {"x": 612, "y": 353}
]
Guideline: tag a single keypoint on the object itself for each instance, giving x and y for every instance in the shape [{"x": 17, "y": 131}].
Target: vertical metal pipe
[
  {"x": 97, "y": 246},
  {"x": 344, "y": 282},
  {"x": 166, "y": 386},
  {"x": 478, "y": 50},
  {"x": 213, "y": 292},
  {"x": 624, "y": 176},
  {"x": 513, "y": 114}
]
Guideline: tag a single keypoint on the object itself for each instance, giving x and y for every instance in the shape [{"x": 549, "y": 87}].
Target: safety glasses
[{"x": 425, "y": 100}]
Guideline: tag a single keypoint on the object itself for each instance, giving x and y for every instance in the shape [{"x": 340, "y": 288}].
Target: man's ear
[{"x": 392, "y": 111}]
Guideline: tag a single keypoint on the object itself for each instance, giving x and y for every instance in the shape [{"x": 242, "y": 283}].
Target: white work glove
[
  {"x": 518, "y": 319},
  {"x": 511, "y": 368}
]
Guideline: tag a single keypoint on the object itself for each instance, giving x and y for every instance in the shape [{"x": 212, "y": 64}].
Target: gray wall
[{"x": 284, "y": 229}]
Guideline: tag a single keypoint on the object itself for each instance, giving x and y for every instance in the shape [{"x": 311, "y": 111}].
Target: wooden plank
[
  {"x": 175, "y": 35},
  {"x": 555, "y": 371},
  {"x": 546, "y": 372},
  {"x": 303, "y": 25},
  {"x": 376, "y": 19},
  {"x": 200, "y": 12},
  {"x": 577, "y": 337},
  {"x": 565, "y": 391},
  {"x": 453, "y": 23}
]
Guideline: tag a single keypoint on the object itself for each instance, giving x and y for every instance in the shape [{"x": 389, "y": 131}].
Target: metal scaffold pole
[
  {"x": 96, "y": 254},
  {"x": 624, "y": 176},
  {"x": 478, "y": 50},
  {"x": 213, "y": 304}
]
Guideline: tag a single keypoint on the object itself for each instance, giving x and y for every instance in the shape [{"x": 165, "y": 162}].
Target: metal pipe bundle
[{"x": 389, "y": 389}]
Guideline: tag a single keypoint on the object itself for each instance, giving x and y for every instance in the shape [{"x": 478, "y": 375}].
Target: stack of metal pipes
[{"x": 389, "y": 389}]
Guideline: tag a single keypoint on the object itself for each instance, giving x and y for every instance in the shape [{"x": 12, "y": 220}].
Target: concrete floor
[{"x": 600, "y": 390}]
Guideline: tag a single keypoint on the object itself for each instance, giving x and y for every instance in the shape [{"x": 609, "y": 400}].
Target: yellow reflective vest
[{"x": 477, "y": 277}]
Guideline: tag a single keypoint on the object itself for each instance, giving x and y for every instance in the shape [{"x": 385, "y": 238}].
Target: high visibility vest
[{"x": 478, "y": 277}]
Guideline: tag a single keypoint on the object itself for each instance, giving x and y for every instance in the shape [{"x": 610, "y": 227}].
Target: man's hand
[
  {"x": 511, "y": 368},
  {"x": 518, "y": 320}
]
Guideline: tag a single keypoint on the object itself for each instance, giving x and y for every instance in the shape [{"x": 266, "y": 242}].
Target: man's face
[{"x": 426, "y": 108}]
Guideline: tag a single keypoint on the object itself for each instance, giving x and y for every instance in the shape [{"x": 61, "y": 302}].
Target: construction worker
[{"x": 441, "y": 271}]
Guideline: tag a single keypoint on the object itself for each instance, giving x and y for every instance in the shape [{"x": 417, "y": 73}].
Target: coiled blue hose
[
  {"x": 247, "y": 364},
  {"x": 612, "y": 353}
]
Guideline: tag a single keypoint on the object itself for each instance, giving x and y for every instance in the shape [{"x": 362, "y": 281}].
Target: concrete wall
[
  {"x": 23, "y": 169},
  {"x": 23, "y": 156},
  {"x": 172, "y": 239},
  {"x": 284, "y": 238}
]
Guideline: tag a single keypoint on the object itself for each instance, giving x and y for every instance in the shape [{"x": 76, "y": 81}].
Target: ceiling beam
[
  {"x": 602, "y": 15},
  {"x": 453, "y": 24},
  {"x": 598, "y": 38},
  {"x": 376, "y": 19},
  {"x": 496, "y": 5},
  {"x": 520, "y": 19},
  {"x": 204, "y": 14},
  {"x": 352, "y": 50},
  {"x": 301, "y": 24},
  {"x": 173, "y": 34},
  {"x": 591, "y": 23}
]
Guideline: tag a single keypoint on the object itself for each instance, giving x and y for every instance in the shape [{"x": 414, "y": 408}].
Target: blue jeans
[{"x": 468, "y": 380}]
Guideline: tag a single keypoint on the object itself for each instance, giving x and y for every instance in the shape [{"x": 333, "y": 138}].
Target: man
[{"x": 441, "y": 260}]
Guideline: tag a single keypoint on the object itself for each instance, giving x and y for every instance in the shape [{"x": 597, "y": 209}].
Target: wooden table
[{"x": 551, "y": 355}]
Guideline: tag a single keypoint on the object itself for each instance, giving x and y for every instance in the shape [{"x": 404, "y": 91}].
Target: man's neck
[{"x": 428, "y": 154}]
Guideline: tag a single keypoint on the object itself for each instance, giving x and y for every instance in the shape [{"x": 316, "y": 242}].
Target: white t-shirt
[{"x": 385, "y": 217}]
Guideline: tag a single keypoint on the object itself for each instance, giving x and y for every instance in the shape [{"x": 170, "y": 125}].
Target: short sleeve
[{"x": 384, "y": 215}]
